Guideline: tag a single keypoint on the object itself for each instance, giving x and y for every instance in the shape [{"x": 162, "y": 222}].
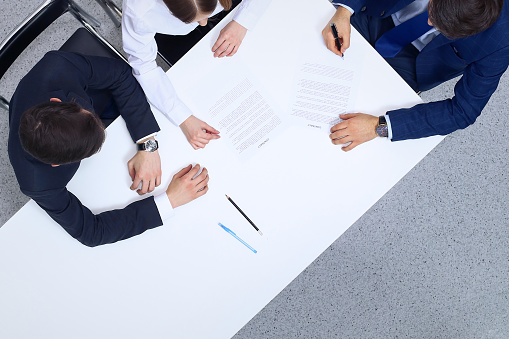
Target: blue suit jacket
[
  {"x": 71, "y": 77},
  {"x": 481, "y": 59}
]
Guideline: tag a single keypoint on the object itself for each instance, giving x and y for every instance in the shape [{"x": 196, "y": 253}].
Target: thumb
[
  {"x": 347, "y": 116},
  {"x": 209, "y": 128},
  {"x": 183, "y": 171}
]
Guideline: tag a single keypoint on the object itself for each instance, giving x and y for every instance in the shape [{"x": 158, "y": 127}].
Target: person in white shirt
[{"x": 142, "y": 19}]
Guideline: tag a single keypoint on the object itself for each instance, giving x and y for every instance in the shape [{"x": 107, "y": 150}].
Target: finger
[
  {"x": 136, "y": 183},
  {"x": 206, "y": 137},
  {"x": 158, "y": 180},
  {"x": 183, "y": 171},
  {"x": 343, "y": 140},
  {"x": 330, "y": 42},
  {"x": 338, "y": 135},
  {"x": 220, "y": 47},
  {"x": 202, "y": 178},
  {"x": 202, "y": 191},
  {"x": 151, "y": 185},
  {"x": 198, "y": 145},
  {"x": 192, "y": 173},
  {"x": 339, "y": 126},
  {"x": 234, "y": 50},
  {"x": 226, "y": 51},
  {"x": 345, "y": 37},
  {"x": 220, "y": 40},
  {"x": 209, "y": 129},
  {"x": 132, "y": 172},
  {"x": 347, "y": 116},
  {"x": 144, "y": 187},
  {"x": 351, "y": 146}
]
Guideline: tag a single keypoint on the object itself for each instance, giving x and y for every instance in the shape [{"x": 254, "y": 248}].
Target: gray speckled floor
[{"x": 429, "y": 260}]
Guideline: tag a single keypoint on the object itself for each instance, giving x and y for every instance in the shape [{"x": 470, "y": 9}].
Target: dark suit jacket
[
  {"x": 70, "y": 77},
  {"x": 481, "y": 59}
]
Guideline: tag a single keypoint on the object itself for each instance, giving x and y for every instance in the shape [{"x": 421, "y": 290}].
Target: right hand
[
  {"x": 186, "y": 185},
  {"x": 342, "y": 21},
  {"x": 198, "y": 132}
]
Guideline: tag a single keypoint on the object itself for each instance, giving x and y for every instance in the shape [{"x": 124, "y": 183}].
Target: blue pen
[{"x": 236, "y": 236}]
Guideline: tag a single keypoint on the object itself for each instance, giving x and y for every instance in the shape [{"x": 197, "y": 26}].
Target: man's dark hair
[
  {"x": 461, "y": 18},
  {"x": 60, "y": 133}
]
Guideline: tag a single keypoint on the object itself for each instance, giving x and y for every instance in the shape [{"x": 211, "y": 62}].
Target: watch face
[
  {"x": 382, "y": 130},
  {"x": 150, "y": 145}
]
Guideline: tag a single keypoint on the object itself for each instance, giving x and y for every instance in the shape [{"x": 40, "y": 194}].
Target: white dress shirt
[{"x": 141, "y": 20}]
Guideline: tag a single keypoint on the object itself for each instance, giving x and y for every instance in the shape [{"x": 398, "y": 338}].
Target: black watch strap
[{"x": 151, "y": 145}]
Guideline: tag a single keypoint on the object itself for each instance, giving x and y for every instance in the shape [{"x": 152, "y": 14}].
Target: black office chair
[
  {"x": 86, "y": 40},
  {"x": 111, "y": 9}
]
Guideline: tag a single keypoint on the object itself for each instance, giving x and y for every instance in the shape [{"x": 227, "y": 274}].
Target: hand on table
[
  {"x": 145, "y": 167},
  {"x": 187, "y": 185},
  {"x": 356, "y": 128},
  {"x": 229, "y": 40},
  {"x": 342, "y": 21},
  {"x": 198, "y": 132}
]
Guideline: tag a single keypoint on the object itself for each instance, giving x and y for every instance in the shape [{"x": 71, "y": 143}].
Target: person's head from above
[
  {"x": 462, "y": 18},
  {"x": 199, "y": 11},
  {"x": 59, "y": 133}
]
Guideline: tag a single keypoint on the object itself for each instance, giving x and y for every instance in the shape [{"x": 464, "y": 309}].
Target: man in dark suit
[
  {"x": 463, "y": 37},
  {"x": 55, "y": 123}
]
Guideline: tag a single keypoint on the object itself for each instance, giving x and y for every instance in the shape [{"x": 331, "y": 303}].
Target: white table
[{"x": 189, "y": 278}]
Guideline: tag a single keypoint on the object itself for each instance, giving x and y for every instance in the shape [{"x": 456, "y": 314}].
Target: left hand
[
  {"x": 145, "y": 168},
  {"x": 229, "y": 40},
  {"x": 198, "y": 132},
  {"x": 357, "y": 128}
]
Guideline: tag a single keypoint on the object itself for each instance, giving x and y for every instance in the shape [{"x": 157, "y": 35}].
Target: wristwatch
[
  {"x": 150, "y": 145},
  {"x": 382, "y": 130}
]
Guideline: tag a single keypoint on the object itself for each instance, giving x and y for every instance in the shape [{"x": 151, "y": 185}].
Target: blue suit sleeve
[{"x": 472, "y": 93}]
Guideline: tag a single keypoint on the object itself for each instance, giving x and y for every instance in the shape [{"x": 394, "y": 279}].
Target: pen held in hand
[
  {"x": 244, "y": 214},
  {"x": 336, "y": 37}
]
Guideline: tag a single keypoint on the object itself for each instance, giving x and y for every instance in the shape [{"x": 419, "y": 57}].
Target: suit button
[
  {"x": 363, "y": 9},
  {"x": 382, "y": 14}
]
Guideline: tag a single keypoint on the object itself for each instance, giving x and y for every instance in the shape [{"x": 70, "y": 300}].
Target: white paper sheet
[
  {"x": 240, "y": 108},
  {"x": 324, "y": 89}
]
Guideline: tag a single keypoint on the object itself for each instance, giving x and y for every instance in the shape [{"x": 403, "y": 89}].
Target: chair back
[{"x": 18, "y": 40}]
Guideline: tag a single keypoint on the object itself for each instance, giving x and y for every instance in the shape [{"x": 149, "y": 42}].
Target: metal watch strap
[{"x": 382, "y": 130}]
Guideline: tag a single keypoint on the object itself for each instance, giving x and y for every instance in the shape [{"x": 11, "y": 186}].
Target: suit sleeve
[
  {"x": 355, "y": 5},
  {"x": 93, "y": 230},
  {"x": 108, "y": 74},
  {"x": 472, "y": 93}
]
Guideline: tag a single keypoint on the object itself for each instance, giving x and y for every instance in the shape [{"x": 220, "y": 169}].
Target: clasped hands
[{"x": 188, "y": 184}]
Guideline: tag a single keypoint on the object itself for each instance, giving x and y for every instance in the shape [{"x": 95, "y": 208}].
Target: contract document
[
  {"x": 323, "y": 90},
  {"x": 240, "y": 109}
]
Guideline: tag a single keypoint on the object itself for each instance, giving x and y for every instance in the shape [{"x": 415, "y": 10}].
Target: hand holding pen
[{"x": 339, "y": 41}]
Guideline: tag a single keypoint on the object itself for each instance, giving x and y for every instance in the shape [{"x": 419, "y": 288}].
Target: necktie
[{"x": 393, "y": 41}]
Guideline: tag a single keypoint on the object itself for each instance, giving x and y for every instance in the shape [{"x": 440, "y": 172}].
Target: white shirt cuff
[
  {"x": 345, "y": 6},
  {"x": 164, "y": 206},
  {"x": 146, "y": 137},
  {"x": 389, "y": 128}
]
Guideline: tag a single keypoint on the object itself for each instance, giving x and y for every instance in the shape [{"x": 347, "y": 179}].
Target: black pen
[
  {"x": 245, "y": 216},
  {"x": 336, "y": 37}
]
